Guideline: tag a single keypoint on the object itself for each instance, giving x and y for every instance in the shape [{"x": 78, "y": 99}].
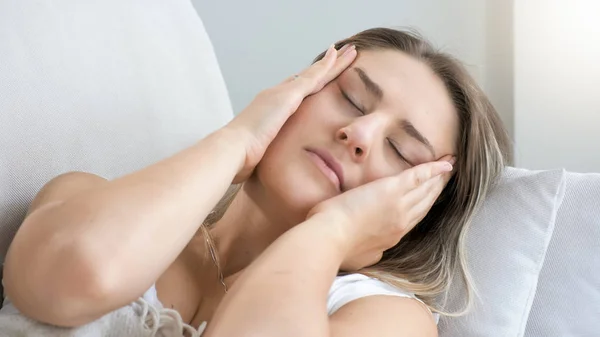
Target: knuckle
[
  {"x": 401, "y": 227},
  {"x": 418, "y": 177}
]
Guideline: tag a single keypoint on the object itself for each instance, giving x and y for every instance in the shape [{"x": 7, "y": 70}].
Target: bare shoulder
[
  {"x": 63, "y": 187},
  {"x": 383, "y": 316}
]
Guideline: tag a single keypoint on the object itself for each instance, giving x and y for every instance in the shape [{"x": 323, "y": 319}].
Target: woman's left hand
[{"x": 374, "y": 217}]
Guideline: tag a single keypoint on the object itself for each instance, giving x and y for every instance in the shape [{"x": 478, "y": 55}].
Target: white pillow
[
  {"x": 506, "y": 248},
  {"x": 567, "y": 301}
]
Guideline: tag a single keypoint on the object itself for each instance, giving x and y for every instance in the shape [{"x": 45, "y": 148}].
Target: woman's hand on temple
[
  {"x": 260, "y": 122},
  {"x": 374, "y": 217}
]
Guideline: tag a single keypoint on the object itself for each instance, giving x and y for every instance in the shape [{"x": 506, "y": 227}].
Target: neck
[{"x": 251, "y": 223}]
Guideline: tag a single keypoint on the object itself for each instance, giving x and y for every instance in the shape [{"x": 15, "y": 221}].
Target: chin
[{"x": 291, "y": 188}]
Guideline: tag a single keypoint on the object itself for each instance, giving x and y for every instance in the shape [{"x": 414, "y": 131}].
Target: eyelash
[
  {"x": 399, "y": 153},
  {"x": 347, "y": 98}
]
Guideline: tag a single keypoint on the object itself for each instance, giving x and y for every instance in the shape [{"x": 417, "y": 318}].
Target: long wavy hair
[{"x": 428, "y": 257}]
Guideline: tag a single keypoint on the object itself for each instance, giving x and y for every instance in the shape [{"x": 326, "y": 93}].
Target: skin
[
  {"x": 270, "y": 202},
  {"x": 269, "y": 248}
]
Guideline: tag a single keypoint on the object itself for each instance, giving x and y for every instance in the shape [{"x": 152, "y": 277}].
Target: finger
[
  {"x": 340, "y": 54},
  {"x": 420, "y": 210},
  {"x": 341, "y": 51},
  {"x": 306, "y": 78},
  {"x": 326, "y": 62},
  {"x": 452, "y": 160},
  {"x": 418, "y": 175},
  {"x": 420, "y": 200},
  {"x": 344, "y": 60},
  {"x": 322, "y": 72},
  {"x": 449, "y": 158},
  {"x": 425, "y": 190}
]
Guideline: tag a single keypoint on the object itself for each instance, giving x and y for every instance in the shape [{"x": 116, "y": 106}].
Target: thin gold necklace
[{"x": 213, "y": 256}]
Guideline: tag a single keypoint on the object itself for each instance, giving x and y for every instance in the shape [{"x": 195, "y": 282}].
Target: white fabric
[
  {"x": 111, "y": 86},
  {"x": 567, "y": 301},
  {"x": 351, "y": 287},
  {"x": 148, "y": 318},
  {"x": 105, "y": 86},
  {"x": 145, "y": 317},
  {"x": 506, "y": 247}
]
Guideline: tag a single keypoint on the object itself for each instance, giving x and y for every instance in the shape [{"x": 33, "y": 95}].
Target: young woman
[{"x": 342, "y": 199}]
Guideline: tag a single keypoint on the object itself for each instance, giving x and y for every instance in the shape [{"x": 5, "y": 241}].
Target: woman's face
[{"x": 384, "y": 114}]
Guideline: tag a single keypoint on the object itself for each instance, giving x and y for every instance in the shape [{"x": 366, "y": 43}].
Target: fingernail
[
  {"x": 448, "y": 166},
  {"x": 343, "y": 49},
  {"x": 349, "y": 50},
  {"x": 452, "y": 160},
  {"x": 330, "y": 50}
]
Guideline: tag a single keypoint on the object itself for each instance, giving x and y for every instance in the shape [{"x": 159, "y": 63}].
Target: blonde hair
[{"x": 433, "y": 252}]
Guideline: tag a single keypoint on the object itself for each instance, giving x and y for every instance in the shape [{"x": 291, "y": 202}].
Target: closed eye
[
  {"x": 362, "y": 111},
  {"x": 390, "y": 142},
  {"x": 395, "y": 148}
]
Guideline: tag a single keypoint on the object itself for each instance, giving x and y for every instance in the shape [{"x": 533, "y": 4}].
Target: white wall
[
  {"x": 557, "y": 84},
  {"x": 259, "y": 43},
  {"x": 499, "y": 61},
  {"x": 536, "y": 59}
]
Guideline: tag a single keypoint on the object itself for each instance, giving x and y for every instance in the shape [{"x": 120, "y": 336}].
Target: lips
[{"x": 332, "y": 164}]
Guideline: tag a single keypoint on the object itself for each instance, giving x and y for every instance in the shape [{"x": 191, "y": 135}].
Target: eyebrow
[
  {"x": 407, "y": 126},
  {"x": 371, "y": 86},
  {"x": 410, "y": 129}
]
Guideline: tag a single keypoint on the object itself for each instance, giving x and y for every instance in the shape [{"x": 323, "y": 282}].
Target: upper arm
[{"x": 383, "y": 316}]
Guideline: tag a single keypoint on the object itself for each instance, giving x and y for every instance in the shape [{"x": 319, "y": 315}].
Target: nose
[{"x": 360, "y": 136}]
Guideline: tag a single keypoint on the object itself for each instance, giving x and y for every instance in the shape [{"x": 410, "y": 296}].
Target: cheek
[
  {"x": 383, "y": 164},
  {"x": 285, "y": 170},
  {"x": 303, "y": 122},
  {"x": 310, "y": 123},
  {"x": 381, "y": 170}
]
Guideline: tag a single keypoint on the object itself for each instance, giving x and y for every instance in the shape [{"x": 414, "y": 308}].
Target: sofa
[{"x": 112, "y": 86}]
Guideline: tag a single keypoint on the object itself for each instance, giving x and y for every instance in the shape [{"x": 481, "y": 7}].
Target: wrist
[
  {"x": 233, "y": 143},
  {"x": 333, "y": 230}
]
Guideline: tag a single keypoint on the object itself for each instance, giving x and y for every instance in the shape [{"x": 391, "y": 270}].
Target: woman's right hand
[{"x": 260, "y": 122}]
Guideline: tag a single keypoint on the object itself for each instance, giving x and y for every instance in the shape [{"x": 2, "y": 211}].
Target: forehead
[{"x": 412, "y": 91}]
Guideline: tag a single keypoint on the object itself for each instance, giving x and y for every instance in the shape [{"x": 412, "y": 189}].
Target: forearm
[
  {"x": 284, "y": 292},
  {"x": 129, "y": 230}
]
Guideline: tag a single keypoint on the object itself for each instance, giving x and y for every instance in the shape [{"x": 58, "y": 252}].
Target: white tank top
[{"x": 354, "y": 286}]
